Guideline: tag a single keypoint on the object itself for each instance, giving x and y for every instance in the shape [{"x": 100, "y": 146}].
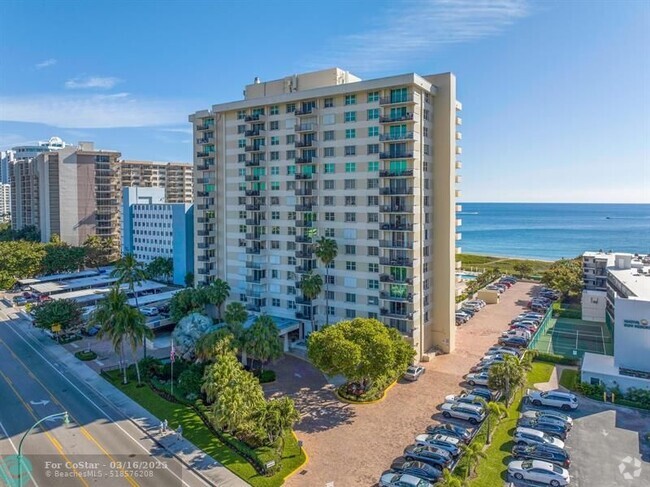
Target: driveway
[{"x": 351, "y": 445}]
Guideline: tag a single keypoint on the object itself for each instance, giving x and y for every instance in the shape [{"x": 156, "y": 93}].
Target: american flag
[{"x": 172, "y": 353}]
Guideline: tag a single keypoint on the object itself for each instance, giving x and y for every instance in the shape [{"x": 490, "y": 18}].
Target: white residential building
[{"x": 5, "y": 202}]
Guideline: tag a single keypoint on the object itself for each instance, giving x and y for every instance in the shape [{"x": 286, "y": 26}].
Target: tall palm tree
[
  {"x": 108, "y": 316},
  {"x": 326, "y": 251},
  {"x": 214, "y": 344},
  {"x": 136, "y": 332},
  {"x": 448, "y": 479},
  {"x": 262, "y": 340},
  {"x": 507, "y": 376},
  {"x": 494, "y": 410},
  {"x": 473, "y": 453},
  {"x": 129, "y": 271},
  {"x": 217, "y": 293},
  {"x": 311, "y": 286}
]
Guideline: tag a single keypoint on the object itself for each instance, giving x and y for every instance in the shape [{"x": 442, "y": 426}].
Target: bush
[
  {"x": 151, "y": 367},
  {"x": 352, "y": 391},
  {"x": 640, "y": 397},
  {"x": 555, "y": 359},
  {"x": 190, "y": 380},
  {"x": 265, "y": 376},
  {"x": 86, "y": 355}
]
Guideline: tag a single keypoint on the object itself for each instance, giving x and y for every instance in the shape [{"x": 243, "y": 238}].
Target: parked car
[
  {"x": 504, "y": 350},
  {"x": 513, "y": 341},
  {"x": 519, "y": 319},
  {"x": 468, "y": 412},
  {"x": 438, "y": 440},
  {"x": 507, "y": 284},
  {"x": 463, "y": 398},
  {"x": 549, "y": 417},
  {"x": 493, "y": 357},
  {"x": 450, "y": 430},
  {"x": 538, "y": 471},
  {"x": 467, "y": 311},
  {"x": 417, "y": 469},
  {"x": 485, "y": 393},
  {"x": 558, "y": 430},
  {"x": 528, "y": 436},
  {"x": 539, "y": 307},
  {"x": 531, "y": 327},
  {"x": 461, "y": 320},
  {"x": 483, "y": 366},
  {"x": 471, "y": 306},
  {"x": 149, "y": 310},
  {"x": 394, "y": 479},
  {"x": 433, "y": 456},
  {"x": 518, "y": 332},
  {"x": 479, "y": 378},
  {"x": 93, "y": 330},
  {"x": 542, "y": 452},
  {"x": 413, "y": 372},
  {"x": 478, "y": 302},
  {"x": 493, "y": 287},
  {"x": 467, "y": 314},
  {"x": 556, "y": 399}
]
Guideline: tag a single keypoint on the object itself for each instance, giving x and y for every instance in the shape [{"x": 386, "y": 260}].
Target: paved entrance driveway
[{"x": 351, "y": 445}]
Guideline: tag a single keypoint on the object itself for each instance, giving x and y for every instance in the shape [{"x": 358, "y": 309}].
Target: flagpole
[
  {"x": 172, "y": 376},
  {"x": 172, "y": 358}
]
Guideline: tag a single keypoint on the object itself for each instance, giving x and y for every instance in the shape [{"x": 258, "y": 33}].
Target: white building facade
[{"x": 5, "y": 202}]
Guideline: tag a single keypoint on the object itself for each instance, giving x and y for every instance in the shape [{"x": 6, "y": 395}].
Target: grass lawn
[
  {"x": 504, "y": 264},
  {"x": 492, "y": 470},
  {"x": 196, "y": 432},
  {"x": 569, "y": 378}
]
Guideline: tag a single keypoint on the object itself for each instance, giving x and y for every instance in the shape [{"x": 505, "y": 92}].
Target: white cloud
[
  {"x": 414, "y": 29},
  {"x": 101, "y": 82},
  {"x": 46, "y": 64},
  {"x": 94, "y": 111},
  {"x": 179, "y": 130}
]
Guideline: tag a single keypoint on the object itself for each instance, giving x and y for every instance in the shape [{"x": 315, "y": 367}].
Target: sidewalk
[{"x": 194, "y": 458}]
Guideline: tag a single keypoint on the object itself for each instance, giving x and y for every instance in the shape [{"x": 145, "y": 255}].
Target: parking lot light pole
[{"x": 66, "y": 420}]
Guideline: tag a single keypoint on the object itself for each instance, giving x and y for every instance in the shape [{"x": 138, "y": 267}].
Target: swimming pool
[{"x": 465, "y": 276}]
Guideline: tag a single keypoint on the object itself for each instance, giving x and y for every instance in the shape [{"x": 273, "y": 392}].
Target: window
[
  {"x": 350, "y": 201},
  {"x": 425, "y": 131},
  {"x": 275, "y": 230},
  {"x": 241, "y": 129},
  {"x": 350, "y": 298},
  {"x": 329, "y": 216},
  {"x": 350, "y": 99},
  {"x": 373, "y": 183},
  {"x": 328, "y": 184},
  {"x": 425, "y": 114},
  {"x": 275, "y": 244},
  {"x": 350, "y": 313},
  {"x": 350, "y": 184},
  {"x": 331, "y": 311},
  {"x": 291, "y": 170},
  {"x": 373, "y": 96},
  {"x": 350, "y": 167},
  {"x": 350, "y": 133},
  {"x": 274, "y": 110},
  {"x": 373, "y": 131},
  {"x": 373, "y": 234},
  {"x": 291, "y": 216},
  {"x": 374, "y": 251},
  {"x": 373, "y": 114},
  {"x": 350, "y": 150},
  {"x": 291, "y": 154},
  {"x": 241, "y": 143},
  {"x": 241, "y": 157},
  {"x": 242, "y": 214},
  {"x": 426, "y": 149},
  {"x": 349, "y": 116},
  {"x": 242, "y": 172},
  {"x": 329, "y": 168},
  {"x": 242, "y": 228},
  {"x": 373, "y": 217},
  {"x": 275, "y": 140},
  {"x": 350, "y": 249},
  {"x": 275, "y": 215},
  {"x": 291, "y": 260},
  {"x": 350, "y": 217},
  {"x": 291, "y": 107},
  {"x": 373, "y": 300},
  {"x": 373, "y": 200},
  {"x": 275, "y": 125},
  {"x": 329, "y": 294},
  {"x": 291, "y": 139},
  {"x": 426, "y": 201},
  {"x": 328, "y": 102},
  {"x": 329, "y": 119},
  {"x": 291, "y": 185},
  {"x": 350, "y": 265},
  {"x": 275, "y": 170},
  {"x": 373, "y": 148},
  {"x": 275, "y": 185},
  {"x": 328, "y": 152},
  {"x": 328, "y": 135},
  {"x": 275, "y": 156},
  {"x": 373, "y": 268},
  {"x": 241, "y": 114},
  {"x": 329, "y": 201}
]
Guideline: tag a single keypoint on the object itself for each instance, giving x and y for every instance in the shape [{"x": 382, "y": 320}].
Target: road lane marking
[
  {"x": 2, "y": 427},
  {"x": 85, "y": 432},
  {"x": 46, "y": 361},
  {"x": 53, "y": 440}
]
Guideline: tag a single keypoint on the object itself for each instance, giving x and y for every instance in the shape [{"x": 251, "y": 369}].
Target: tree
[
  {"x": 449, "y": 480},
  {"x": 473, "y": 453},
  {"x": 495, "y": 412},
  {"x": 565, "y": 276},
  {"x": 235, "y": 317},
  {"x": 262, "y": 341},
  {"x": 161, "y": 268},
  {"x": 61, "y": 257},
  {"x": 311, "y": 286},
  {"x": 326, "y": 250},
  {"x": 136, "y": 332},
  {"x": 507, "y": 376},
  {"x": 29, "y": 233},
  {"x": 20, "y": 259},
  {"x": 523, "y": 268},
  {"x": 277, "y": 417},
  {"x": 109, "y": 316},
  {"x": 362, "y": 350},
  {"x": 64, "y": 312},
  {"x": 217, "y": 293},
  {"x": 185, "y": 302},
  {"x": 188, "y": 332},
  {"x": 189, "y": 279},
  {"x": 214, "y": 344},
  {"x": 99, "y": 250},
  {"x": 130, "y": 272}
]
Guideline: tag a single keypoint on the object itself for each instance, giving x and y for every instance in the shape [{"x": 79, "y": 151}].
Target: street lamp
[{"x": 66, "y": 420}]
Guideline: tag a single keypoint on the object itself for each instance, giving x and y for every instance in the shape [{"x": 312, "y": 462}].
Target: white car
[
  {"x": 469, "y": 412},
  {"x": 548, "y": 417},
  {"x": 539, "y": 471},
  {"x": 438, "y": 440},
  {"x": 149, "y": 311},
  {"x": 479, "y": 378},
  {"x": 529, "y": 436},
  {"x": 413, "y": 372},
  {"x": 518, "y": 332},
  {"x": 557, "y": 399},
  {"x": 392, "y": 479},
  {"x": 464, "y": 398}
]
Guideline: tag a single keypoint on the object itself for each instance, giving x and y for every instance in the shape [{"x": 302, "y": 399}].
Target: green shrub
[
  {"x": 640, "y": 397},
  {"x": 151, "y": 367},
  {"x": 555, "y": 359},
  {"x": 265, "y": 376},
  {"x": 85, "y": 355},
  {"x": 190, "y": 380}
]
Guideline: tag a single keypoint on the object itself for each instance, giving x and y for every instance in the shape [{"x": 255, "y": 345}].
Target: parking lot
[{"x": 352, "y": 445}]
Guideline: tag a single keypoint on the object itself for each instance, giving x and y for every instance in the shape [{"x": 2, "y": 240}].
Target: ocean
[{"x": 550, "y": 231}]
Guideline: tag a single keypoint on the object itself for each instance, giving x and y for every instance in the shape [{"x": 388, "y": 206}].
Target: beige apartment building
[
  {"x": 175, "y": 177},
  {"x": 23, "y": 180},
  {"x": 369, "y": 163}
]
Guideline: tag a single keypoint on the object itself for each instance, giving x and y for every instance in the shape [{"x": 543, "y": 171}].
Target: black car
[
  {"x": 485, "y": 393},
  {"x": 557, "y": 430},
  {"x": 418, "y": 469},
  {"x": 437, "y": 457},
  {"x": 449, "y": 429},
  {"x": 513, "y": 341},
  {"x": 546, "y": 453}
]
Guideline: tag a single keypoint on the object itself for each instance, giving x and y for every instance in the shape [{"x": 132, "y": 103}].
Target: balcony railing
[
  {"x": 306, "y": 176},
  {"x": 396, "y": 118},
  {"x": 396, "y": 280},
  {"x": 253, "y": 118},
  {"x": 396, "y": 244},
  {"x": 400, "y": 262},
  {"x": 255, "y": 279},
  {"x": 396, "y": 191},
  {"x": 302, "y": 300},
  {"x": 391, "y": 137},
  {"x": 202, "y": 167},
  {"x": 304, "y": 223},
  {"x": 252, "y": 163},
  {"x": 303, "y": 239},
  {"x": 253, "y": 221},
  {"x": 406, "y": 298},
  {"x": 253, "y": 307},
  {"x": 305, "y": 143},
  {"x": 304, "y": 254},
  {"x": 205, "y": 140},
  {"x": 253, "y": 133},
  {"x": 300, "y": 315},
  {"x": 306, "y": 127},
  {"x": 252, "y": 192},
  {"x": 205, "y": 233},
  {"x": 396, "y": 174},
  {"x": 301, "y": 269},
  {"x": 203, "y": 246},
  {"x": 403, "y": 227},
  {"x": 304, "y": 192},
  {"x": 251, "y": 178},
  {"x": 254, "y": 207},
  {"x": 255, "y": 148},
  {"x": 203, "y": 154},
  {"x": 254, "y": 236},
  {"x": 395, "y": 209},
  {"x": 253, "y": 250},
  {"x": 395, "y": 100},
  {"x": 305, "y": 111},
  {"x": 396, "y": 155},
  {"x": 253, "y": 265},
  {"x": 304, "y": 207},
  {"x": 304, "y": 160},
  {"x": 205, "y": 127}
]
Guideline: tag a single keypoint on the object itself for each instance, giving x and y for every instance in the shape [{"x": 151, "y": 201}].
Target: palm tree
[
  {"x": 262, "y": 340},
  {"x": 326, "y": 250},
  {"x": 311, "y": 286},
  {"x": 217, "y": 293},
  {"x": 507, "y": 376},
  {"x": 449, "y": 480},
  {"x": 473, "y": 452},
  {"x": 235, "y": 316},
  {"x": 107, "y": 317},
  {"x": 494, "y": 410},
  {"x": 129, "y": 271},
  {"x": 136, "y": 331},
  {"x": 214, "y": 344}
]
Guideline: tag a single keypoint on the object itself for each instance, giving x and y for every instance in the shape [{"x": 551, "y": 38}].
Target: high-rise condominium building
[
  {"x": 6, "y": 159},
  {"x": 23, "y": 177},
  {"x": 371, "y": 164},
  {"x": 5, "y": 202},
  {"x": 175, "y": 177}
]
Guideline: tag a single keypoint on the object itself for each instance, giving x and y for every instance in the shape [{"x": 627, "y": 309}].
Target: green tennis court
[{"x": 572, "y": 338}]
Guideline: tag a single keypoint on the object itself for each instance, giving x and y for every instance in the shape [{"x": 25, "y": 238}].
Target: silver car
[{"x": 413, "y": 372}]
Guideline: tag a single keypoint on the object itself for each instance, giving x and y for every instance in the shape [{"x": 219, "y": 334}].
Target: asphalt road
[{"x": 99, "y": 447}]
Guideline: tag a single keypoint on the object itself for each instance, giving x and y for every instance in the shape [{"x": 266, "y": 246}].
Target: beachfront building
[
  {"x": 624, "y": 303},
  {"x": 369, "y": 163},
  {"x": 29, "y": 151},
  {"x": 5, "y": 202},
  {"x": 153, "y": 228},
  {"x": 6, "y": 159},
  {"x": 23, "y": 177},
  {"x": 175, "y": 177}
]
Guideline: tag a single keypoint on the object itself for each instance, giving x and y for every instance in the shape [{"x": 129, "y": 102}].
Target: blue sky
[{"x": 556, "y": 95}]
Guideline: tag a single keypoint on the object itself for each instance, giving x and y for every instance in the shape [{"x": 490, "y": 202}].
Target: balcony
[
  {"x": 304, "y": 192},
  {"x": 459, "y": 150},
  {"x": 396, "y": 155},
  {"x": 302, "y": 269},
  {"x": 254, "y": 118},
  {"x": 205, "y": 140},
  {"x": 403, "y": 227},
  {"x": 392, "y": 137},
  {"x": 306, "y": 127},
  {"x": 459, "y": 121},
  {"x": 203, "y": 258},
  {"x": 203, "y": 154},
  {"x": 396, "y": 280},
  {"x": 303, "y": 300},
  {"x": 459, "y": 208},
  {"x": 254, "y": 133},
  {"x": 303, "y": 316},
  {"x": 253, "y": 265},
  {"x": 395, "y": 209},
  {"x": 395, "y": 191},
  {"x": 253, "y": 250},
  {"x": 395, "y": 100},
  {"x": 396, "y": 118},
  {"x": 254, "y": 207},
  {"x": 303, "y": 239},
  {"x": 304, "y": 223},
  {"x": 400, "y": 315},
  {"x": 254, "y": 236},
  {"x": 459, "y": 136},
  {"x": 304, "y": 207},
  {"x": 206, "y": 233},
  {"x": 459, "y": 250},
  {"x": 459, "y": 222},
  {"x": 458, "y": 193},
  {"x": 398, "y": 261},
  {"x": 304, "y": 111},
  {"x": 459, "y": 179},
  {"x": 459, "y": 236},
  {"x": 205, "y": 219},
  {"x": 203, "y": 271},
  {"x": 459, "y": 165},
  {"x": 396, "y": 174},
  {"x": 251, "y": 178},
  {"x": 205, "y": 127},
  {"x": 252, "y": 192},
  {"x": 203, "y": 245},
  {"x": 304, "y": 254},
  {"x": 305, "y": 176},
  {"x": 202, "y": 194},
  {"x": 255, "y": 148},
  {"x": 407, "y": 298},
  {"x": 202, "y": 167},
  {"x": 255, "y": 279},
  {"x": 252, "y": 163},
  {"x": 396, "y": 244},
  {"x": 305, "y": 143},
  {"x": 304, "y": 160},
  {"x": 253, "y": 307},
  {"x": 253, "y": 221}
]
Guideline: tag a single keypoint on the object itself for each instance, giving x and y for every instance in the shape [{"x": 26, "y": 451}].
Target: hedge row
[{"x": 555, "y": 359}]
